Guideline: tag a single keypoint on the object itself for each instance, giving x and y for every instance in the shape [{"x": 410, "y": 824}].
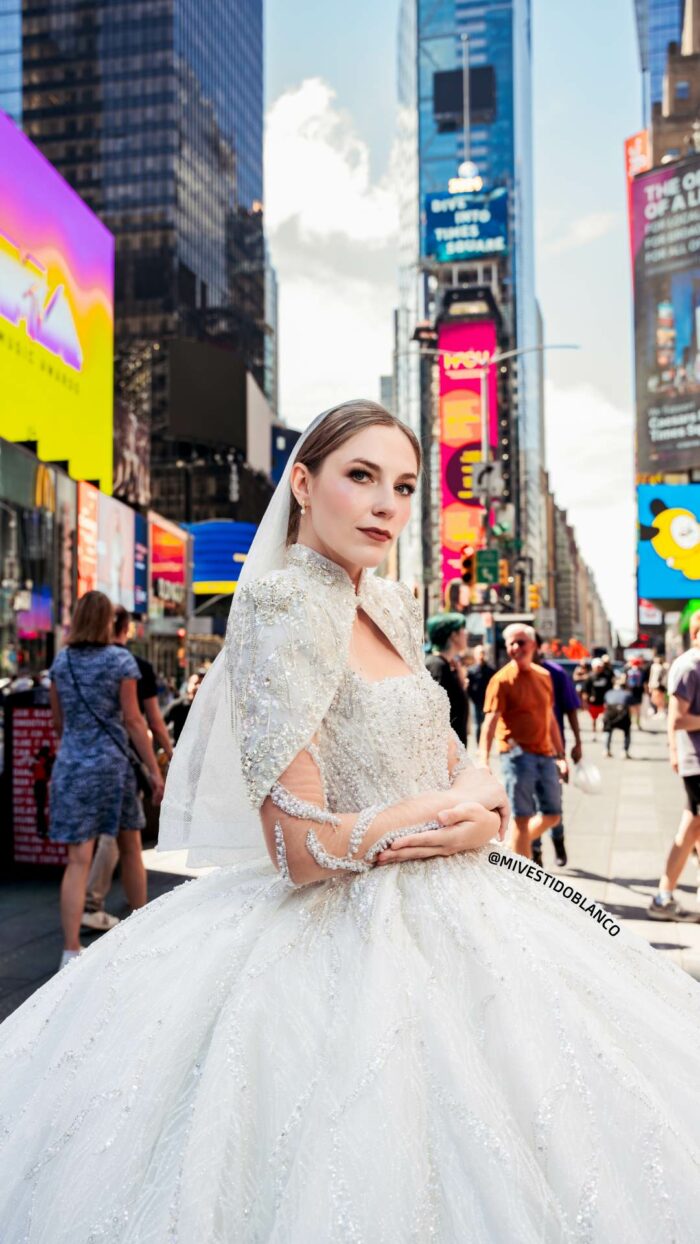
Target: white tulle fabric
[{"x": 442, "y": 1050}]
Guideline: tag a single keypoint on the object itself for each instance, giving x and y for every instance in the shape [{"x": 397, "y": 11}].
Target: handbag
[{"x": 141, "y": 774}]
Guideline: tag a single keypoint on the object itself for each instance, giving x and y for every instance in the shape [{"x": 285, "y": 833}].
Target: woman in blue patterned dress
[{"x": 93, "y": 784}]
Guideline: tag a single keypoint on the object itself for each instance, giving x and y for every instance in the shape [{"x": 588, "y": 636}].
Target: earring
[{"x": 303, "y": 509}]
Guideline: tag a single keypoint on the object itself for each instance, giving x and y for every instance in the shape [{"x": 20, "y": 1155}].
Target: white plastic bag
[{"x": 587, "y": 777}]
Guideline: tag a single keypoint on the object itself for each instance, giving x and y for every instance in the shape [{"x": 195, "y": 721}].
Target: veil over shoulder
[{"x": 213, "y": 792}]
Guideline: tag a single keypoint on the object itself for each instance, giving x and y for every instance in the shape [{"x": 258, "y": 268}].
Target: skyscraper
[
  {"x": 499, "y": 141},
  {"x": 153, "y": 112},
  {"x": 659, "y": 22}
]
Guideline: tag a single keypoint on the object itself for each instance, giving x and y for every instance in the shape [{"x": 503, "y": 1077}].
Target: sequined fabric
[{"x": 437, "y": 1051}]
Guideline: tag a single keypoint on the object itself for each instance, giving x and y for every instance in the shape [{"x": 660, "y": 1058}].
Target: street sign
[
  {"x": 487, "y": 566},
  {"x": 487, "y": 479}
]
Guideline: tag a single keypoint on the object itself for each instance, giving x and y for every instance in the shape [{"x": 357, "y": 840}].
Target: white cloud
[
  {"x": 333, "y": 237},
  {"x": 318, "y": 169},
  {"x": 581, "y": 231},
  {"x": 590, "y": 460}
]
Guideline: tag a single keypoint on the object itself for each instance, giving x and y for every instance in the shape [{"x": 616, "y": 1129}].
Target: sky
[{"x": 330, "y": 203}]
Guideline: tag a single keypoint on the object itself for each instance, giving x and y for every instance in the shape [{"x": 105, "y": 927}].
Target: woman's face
[{"x": 360, "y": 499}]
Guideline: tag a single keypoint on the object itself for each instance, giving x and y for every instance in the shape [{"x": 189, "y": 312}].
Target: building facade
[
  {"x": 659, "y": 22},
  {"x": 433, "y": 144},
  {"x": 153, "y": 112}
]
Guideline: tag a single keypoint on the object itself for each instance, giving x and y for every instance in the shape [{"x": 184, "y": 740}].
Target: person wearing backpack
[
  {"x": 617, "y": 714},
  {"x": 636, "y": 681}
]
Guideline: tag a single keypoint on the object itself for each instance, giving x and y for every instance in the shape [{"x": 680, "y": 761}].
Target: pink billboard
[{"x": 467, "y": 349}]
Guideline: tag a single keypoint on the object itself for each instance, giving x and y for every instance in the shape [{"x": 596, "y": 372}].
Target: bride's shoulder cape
[
  {"x": 286, "y": 651},
  {"x": 290, "y": 651}
]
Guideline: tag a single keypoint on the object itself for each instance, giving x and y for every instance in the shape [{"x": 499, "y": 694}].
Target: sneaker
[
  {"x": 98, "y": 921},
  {"x": 68, "y": 956},
  {"x": 671, "y": 911},
  {"x": 608, "y": 753},
  {"x": 560, "y": 852},
  {"x": 537, "y": 856}
]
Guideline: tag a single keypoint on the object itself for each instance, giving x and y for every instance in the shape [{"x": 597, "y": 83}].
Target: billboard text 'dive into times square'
[
  {"x": 56, "y": 314},
  {"x": 666, "y": 254},
  {"x": 465, "y": 348}
]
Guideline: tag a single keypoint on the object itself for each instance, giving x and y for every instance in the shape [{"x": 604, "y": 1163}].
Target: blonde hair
[
  {"x": 339, "y": 426},
  {"x": 92, "y": 620}
]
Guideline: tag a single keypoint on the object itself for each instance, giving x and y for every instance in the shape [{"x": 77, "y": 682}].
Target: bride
[{"x": 387, "y": 1034}]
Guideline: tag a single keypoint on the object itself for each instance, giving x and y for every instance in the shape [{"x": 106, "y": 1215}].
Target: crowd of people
[{"x": 528, "y": 706}]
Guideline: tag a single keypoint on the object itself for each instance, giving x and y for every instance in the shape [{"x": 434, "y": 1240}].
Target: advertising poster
[
  {"x": 132, "y": 455},
  {"x": 666, "y": 246},
  {"x": 167, "y": 556},
  {"x": 466, "y": 226},
  {"x": 33, "y": 756},
  {"x": 140, "y": 564},
  {"x": 637, "y": 160},
  {"x": 468, "y": 348},
  {"x": 87, "y": 538},
  {"x": 669, "y": 541},
  {"x": 115, "y": 551},
  {"x": 56, "y": 314}
]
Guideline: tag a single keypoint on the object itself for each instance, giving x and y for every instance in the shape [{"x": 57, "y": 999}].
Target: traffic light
[
  {"x": 468, "y": 563},
  {"x": 503, "y": 572},
  {"x": 533, "y": 597}
]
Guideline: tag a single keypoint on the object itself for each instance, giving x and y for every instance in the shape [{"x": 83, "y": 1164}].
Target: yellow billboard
[{"x": 56, "y": 314}]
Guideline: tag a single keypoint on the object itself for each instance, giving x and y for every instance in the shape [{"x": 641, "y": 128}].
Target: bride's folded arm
[
  {"x": 476, "y": 783},
  {"x": 308, "y": 843}
]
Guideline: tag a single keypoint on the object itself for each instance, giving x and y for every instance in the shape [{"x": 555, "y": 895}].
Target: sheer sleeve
[{"x": 308, "y": 842}]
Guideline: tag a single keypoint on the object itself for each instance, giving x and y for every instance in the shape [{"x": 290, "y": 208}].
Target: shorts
[
  {"x": 692, "y": 792},
  {"x": 532, "y": 782},
  {"x": 595, "y": 710}
]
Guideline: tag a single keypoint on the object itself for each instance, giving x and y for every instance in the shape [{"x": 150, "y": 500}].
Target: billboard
[
  {"x": 115, "y": 551},
  {"x": 87, "y": 537},
  {"x": 140, "y": 564},
  {"x": 669, "y": 541},
  {"x": 220, "y": 550},
  {"x": 32, "y": 755},
  {"x": 466, "y": 226},
  {"x": 167, "y": 555},
  {"x": 666, "y": 251},
  {"x": 467, "y": 348},
  {"x": 637, "y": 160},
  {"x": 56, "y": 314}
]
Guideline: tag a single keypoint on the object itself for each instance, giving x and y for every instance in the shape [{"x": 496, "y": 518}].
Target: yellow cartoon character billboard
[{"x": 669, "y": 540}]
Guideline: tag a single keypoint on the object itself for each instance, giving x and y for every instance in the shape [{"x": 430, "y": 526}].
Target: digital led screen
[
  {"x": 669, "y": 541},
  {"x": 56, "y": 314}
]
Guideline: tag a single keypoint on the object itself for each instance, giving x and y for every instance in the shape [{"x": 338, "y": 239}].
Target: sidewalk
[{"x": 616, "y": 842}]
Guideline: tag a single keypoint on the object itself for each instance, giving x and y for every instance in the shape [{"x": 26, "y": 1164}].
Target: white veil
[{"x": 206, "y": 808}]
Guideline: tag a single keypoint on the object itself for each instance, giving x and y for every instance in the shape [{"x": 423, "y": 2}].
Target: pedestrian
[
  {"x": 447, "y": 633},
  {"x": 479, "y": 677},
  {"x": 177, "y": 711},
  {"x": 595, "y": 689},
  {"x": 635, "y": 685},
  {"x": 684, "y": 753},
  {"x": 658, "y": 683},
  {"x": 109, "y": 848},
  {"x": 41, "y": 776},
  {"x": 580, "y": 677},
  {"x": 616, "y": 714},
  {"x": 93, "y": 784},
  {"x": 520, "y": 716},
  {"x": 566, "y": 704}
]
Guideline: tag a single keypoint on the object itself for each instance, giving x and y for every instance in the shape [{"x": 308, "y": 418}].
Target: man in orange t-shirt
[{"x": 519, "y": 708}]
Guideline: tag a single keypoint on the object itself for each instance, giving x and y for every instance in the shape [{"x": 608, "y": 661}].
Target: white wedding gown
[{"x": 442, "y": 1050}]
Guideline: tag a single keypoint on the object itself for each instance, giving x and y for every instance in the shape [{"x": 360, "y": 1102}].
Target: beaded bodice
[{"x": 384, "y": 741}]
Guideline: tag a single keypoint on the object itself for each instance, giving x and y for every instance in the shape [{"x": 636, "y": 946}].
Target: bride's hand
[
  {"x": 466, "y": 827},
  {"x": 480, "y": 786}
]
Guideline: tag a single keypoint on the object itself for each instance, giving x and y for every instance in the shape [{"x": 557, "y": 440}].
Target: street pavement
[{"x": 616, "y": 841}]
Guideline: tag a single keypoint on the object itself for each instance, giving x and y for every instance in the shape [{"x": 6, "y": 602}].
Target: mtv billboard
[
  {"x": 465, "y": 350},
  {"x": 56, "y": 314}
]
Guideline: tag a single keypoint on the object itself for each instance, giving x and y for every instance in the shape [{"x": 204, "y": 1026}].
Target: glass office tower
[
  {"x": 11, "y": 59},
  {"x": 659, "y": 22},
  {"x": 500, "y": 144}
]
